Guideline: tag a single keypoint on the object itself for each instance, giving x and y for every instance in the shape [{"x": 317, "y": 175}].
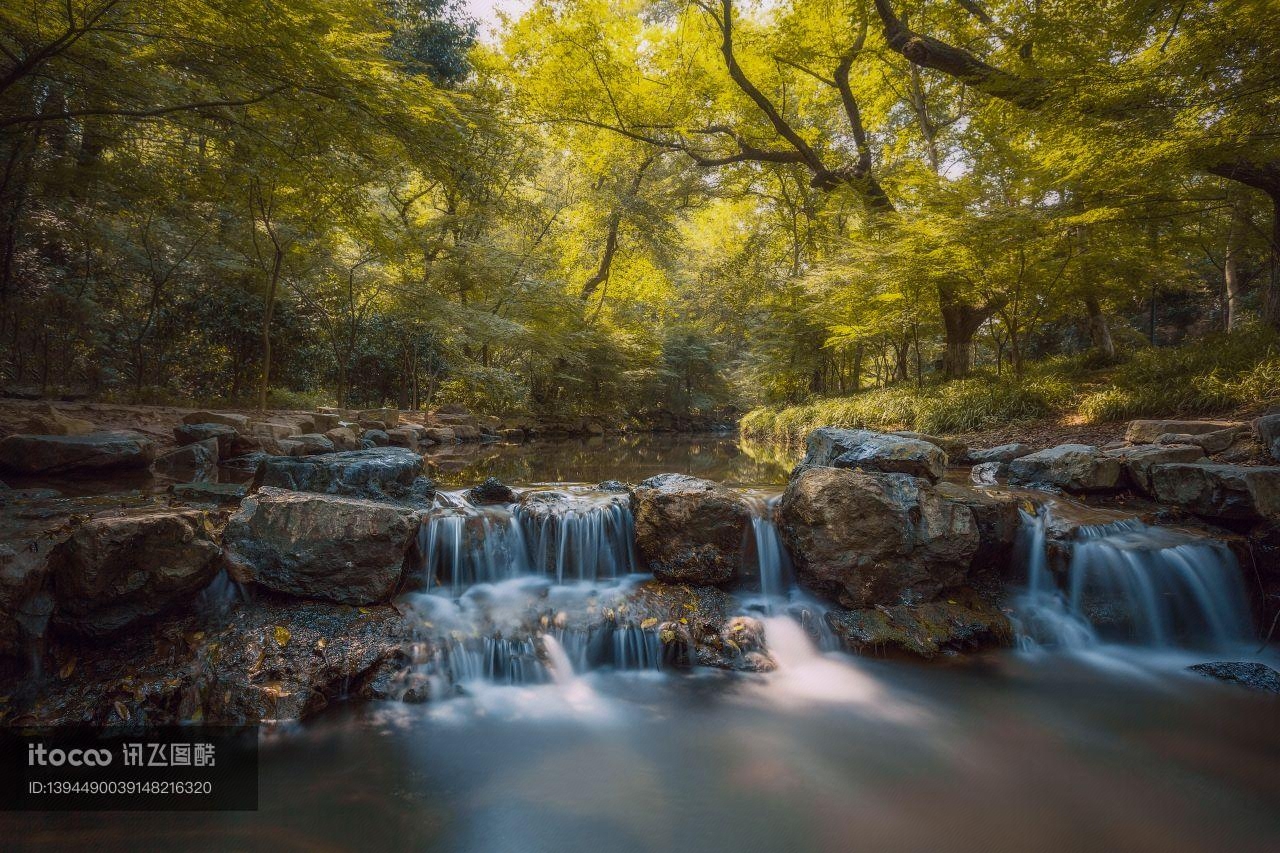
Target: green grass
[{"x": 1217, "y": 374}]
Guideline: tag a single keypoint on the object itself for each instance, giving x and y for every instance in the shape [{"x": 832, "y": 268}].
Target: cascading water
[
  {"x": 1128, "y": 582},
  {"x": 773, "y": 564},
  {"x": 565, "y": 536}
]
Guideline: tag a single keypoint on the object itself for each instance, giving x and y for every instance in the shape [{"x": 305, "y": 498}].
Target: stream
[{"x": 1090, "y": 735}]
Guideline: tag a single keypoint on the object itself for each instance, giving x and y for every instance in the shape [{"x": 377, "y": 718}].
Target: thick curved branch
[{"x": 927, "y": 52}]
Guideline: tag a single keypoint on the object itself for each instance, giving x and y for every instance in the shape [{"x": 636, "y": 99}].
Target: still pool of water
[{"x": 828, "y": 754}]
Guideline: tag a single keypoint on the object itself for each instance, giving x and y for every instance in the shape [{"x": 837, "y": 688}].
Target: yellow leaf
[
  {"x": 649, "y": 623},
  {"x": 321, "y": 643},
  {"x": 197, "y": 715},
  {"x": 951, "y": 601},
  {"x": 282, "y": 636},
  {"x": 67, "y": 668},
  {"x": 684, "y": 621},
  {"x": 122, "y": 711}
]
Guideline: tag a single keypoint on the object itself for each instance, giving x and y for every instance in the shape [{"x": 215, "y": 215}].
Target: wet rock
[
  {"x": 690, "y": 530},
  {"x": 201, "y": 456},
  {"x": 865, "y": 539},
  {"x": 185, "y": 434},
  {"x": 1138, "y": 461},
  {"x": 873, "y": 451},
  {"x": 384, "y": 473},
  {"x": 223, "y": 494},
  {"x": 1005, "y": 453},
  {"x": 1070, "y": 467},
  {"x": 1250, "y": 674},
  {"x": 65, "y": 454},
  {"x": 1230, "y": 492},
  {"x": 343, "y": 438},
  {"x": 240, "y": 423},
  {"x": 963, "y": 622},
  {"x": 264, "y": 661},
  {"x": 13, "y": 496},
  {"x": 115, "y": 572},
  {"x": 1148, "y": 431},
  {"x": 47, "y": 420},
  {"x": 988, "y": 473},
  {"x": 492, "y": 491},
  {"x": 248, "y": 462},
  {"x": 613, "y": 486},
  {"x": 319, "y": 546}
]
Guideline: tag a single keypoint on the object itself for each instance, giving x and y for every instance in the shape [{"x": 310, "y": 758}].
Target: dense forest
[{"x": 616, "y": 207}]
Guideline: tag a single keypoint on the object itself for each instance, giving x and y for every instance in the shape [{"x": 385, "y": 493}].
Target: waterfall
[
  {"x": 562, "y": 536},
  {"x": 773, "y": 563},
  {"x": 1128, "y": 582}
]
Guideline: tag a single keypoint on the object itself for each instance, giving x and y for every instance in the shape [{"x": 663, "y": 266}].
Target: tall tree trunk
[
  {"x": 1234, "y": 285},
  {"x": 1099, "y": 330},
  {"x": 960, "y": 322},
  {"x": 267, "y": 317},
  {"x": 1271, "y": 298}
]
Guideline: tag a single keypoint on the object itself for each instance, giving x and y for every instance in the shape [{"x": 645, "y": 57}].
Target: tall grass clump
[{"x": 1212, "y": 375}]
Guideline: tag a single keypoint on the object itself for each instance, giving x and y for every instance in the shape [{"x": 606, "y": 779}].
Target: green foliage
[{"x": 1222, "y": 373}]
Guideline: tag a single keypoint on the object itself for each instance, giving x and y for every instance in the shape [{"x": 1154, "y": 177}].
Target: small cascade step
[{"x": 1131, "y": 583}]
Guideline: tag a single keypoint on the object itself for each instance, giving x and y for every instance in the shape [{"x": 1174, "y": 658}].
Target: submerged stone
[{"x": 1250, "y": 674}]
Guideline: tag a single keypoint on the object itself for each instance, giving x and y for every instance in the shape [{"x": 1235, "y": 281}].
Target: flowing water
[{"x": 560, "y": 721}]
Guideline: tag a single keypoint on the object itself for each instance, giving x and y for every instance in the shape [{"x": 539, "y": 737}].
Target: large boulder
[
  {"x": 830, "y": 447},
  {"x": 1140, "y": 460},
  {"x": 308, "y": 444},
  {"x": 201, "y": 457},
  {"x": 403, "y": 437},
  {"x": 1070, "y": 467},
  {"x": 240, "y": 423},
  {"x": 185, "y": 434},
  {"x": 343, "y": 438},
  {"x": 383, "y": 473},
  {"x": 65, "y": 454},
  {"x": 319, "y": 546},
  {"x": 690, "y": 530},
  {"x": 46, "y": 420},
  {"x": 865, "y": 539},
  {"x": 1267, "y": 431},
  {"x": 113, "y": 573},
  {"x": 961, "y": 622},
  {"x": 1148, "y": 431},
  {"x": 1229, "y": 492}
]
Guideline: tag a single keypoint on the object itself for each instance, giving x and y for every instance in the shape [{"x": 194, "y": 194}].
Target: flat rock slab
[
  {"x": 1004, "y": 453},
  {"x": 1230, "y": 492},
  {"x": 383, "y": 473},
  {"x": 1148, "y": 431},
  {"x": 830, "y": 447},
  {"x": 64, "y": 454},
  {"x": 1070, "y": 467},
  {"x": 240, "y": 423}
]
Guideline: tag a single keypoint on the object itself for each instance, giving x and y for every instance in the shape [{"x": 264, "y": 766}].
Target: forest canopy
[{"x": 622, "y": 206}]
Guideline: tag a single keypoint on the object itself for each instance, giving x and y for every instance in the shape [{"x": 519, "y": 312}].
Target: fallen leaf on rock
[{"x": 282, "y": 635}]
